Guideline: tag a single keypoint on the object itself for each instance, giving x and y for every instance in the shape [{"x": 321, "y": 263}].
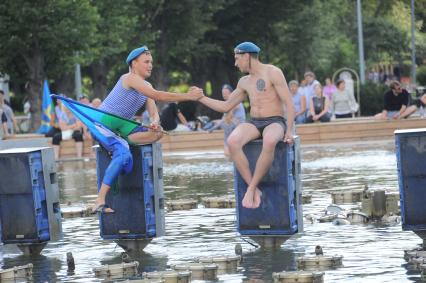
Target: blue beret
[
  {"x": 135, "y": 53},
  {"x": 246, "y": 47}
]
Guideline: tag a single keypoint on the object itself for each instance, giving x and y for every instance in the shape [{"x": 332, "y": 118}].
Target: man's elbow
[{"x": 226, "y": 109}]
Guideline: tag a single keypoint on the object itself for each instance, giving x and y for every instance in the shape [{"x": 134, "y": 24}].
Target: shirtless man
[{"x": 268, "y": 93}]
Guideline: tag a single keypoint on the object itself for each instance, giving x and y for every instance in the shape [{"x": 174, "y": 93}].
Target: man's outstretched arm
[
  {"x": 224, "y": 106},
  {"x": 139, "y": 84}
]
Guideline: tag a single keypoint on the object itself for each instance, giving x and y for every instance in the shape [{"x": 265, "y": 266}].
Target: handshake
[{"x": 195, "y": 93}]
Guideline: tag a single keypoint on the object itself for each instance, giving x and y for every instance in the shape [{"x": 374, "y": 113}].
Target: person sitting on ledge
[
  {"x": 396, "y": 104},
  {"x": 299, "y": 101},
  {"x": 343, "y": 102},
  {"x": 267, "y": 89},
  {"x": 170, "y": 117},
  {"x": 69, "y": 128},
  {"x": 318, "y": 107},
  {"x": 129, "y": 95}
]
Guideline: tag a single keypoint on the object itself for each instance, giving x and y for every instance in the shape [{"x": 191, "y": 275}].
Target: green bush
[
  {"x": 421, "y": 75},
  {"x": 372, "y": 98}
]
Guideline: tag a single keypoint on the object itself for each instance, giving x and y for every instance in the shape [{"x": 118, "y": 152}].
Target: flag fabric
[
  {"x": 46, "y": 110},
  {"x": 96, "y": 119},
  {"x": 110, "y": 131},
  {"x": 101, "y": 133}
]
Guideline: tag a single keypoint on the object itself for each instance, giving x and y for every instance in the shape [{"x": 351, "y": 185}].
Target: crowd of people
[
  {"x": 315, "y": 103},
  {"x": 312, "y": 101},
  {"x": 65, "y": 126}
]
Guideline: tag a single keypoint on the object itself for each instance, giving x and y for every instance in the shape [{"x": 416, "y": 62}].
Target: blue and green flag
[
  {"x": 46, "y": 110},
  {"x": 107, "y": 128}
]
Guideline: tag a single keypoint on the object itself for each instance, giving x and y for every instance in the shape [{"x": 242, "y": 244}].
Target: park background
[{"x": 192, "y": 42}]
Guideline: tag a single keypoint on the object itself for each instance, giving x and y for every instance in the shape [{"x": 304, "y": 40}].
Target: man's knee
[
  {"x": 123, "y": 160},
  {"x": 158, "y": 136},
  {"x": 269, "y": 142},
  {"x": 234, "y": 142},
  {"x": 412, "y": 108},
  {"x": 145, "y": 137},
  {"x": 155, "y": 136}
]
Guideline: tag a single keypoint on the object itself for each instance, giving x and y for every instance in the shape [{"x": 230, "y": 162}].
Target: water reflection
[
  {"x": 76, "y": 179},
  {"x": 254, "y": 264},
  {"x": 44, "y": 268},
  {"x": 147, "y": 262},
  {"x": 372, "y": 253}
]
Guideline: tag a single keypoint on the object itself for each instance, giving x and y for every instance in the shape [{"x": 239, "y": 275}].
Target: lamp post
[
  {"x": 360, "y": 43},
  {"x": 77, "y": 79},
  {"x": 413, "y": 45}
]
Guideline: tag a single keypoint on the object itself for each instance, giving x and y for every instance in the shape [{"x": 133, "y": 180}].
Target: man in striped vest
[{"x": 130, "y": 94}]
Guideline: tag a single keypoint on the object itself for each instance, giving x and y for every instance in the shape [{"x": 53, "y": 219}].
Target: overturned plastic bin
[
  {"x": 137, "y": 200},
  {"x": 411, "y": 157},
  {"x": 29, "y": 198},
  {"x": 279, "y": 215}
]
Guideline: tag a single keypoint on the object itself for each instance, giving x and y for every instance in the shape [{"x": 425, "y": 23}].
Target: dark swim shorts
[{"x": 262, "y": 123}]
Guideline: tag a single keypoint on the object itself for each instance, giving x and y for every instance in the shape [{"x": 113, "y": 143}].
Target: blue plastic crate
[
  {"x": 277, "y": 214},
  {"x": 23, "y": 209},
  {"x": 133, "y": 204},
  {"x": 411, "y": 160}
]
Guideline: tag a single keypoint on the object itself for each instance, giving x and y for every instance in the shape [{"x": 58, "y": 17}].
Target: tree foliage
[
  {"x": 192, "y": 41},
  {"x": 41, "y": 40}
]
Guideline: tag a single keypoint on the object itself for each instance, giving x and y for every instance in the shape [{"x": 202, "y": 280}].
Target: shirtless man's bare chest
[{"x": 264, "y": 99}]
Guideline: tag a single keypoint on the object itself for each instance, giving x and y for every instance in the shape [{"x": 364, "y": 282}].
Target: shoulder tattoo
[{"x": 260, "y": 85}]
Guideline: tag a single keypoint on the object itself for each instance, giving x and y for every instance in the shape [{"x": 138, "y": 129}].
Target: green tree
[
  {"x": 315, "y": 38},
  {"x": 179, "y": 28},
  {"x": 238, "y": 21},
  {"x": 115, "y": 30},
  {"x": 40, "y": 40}
]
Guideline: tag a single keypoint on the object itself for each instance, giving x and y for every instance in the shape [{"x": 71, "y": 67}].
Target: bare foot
[
  {"x": 257, "y": 198},
  {"x": 252, "y": 198},
  {"x": 100, "y": 206}
]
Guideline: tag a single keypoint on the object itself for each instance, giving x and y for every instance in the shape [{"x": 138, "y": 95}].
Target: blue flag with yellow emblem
[{"x": 46, "y": 110}]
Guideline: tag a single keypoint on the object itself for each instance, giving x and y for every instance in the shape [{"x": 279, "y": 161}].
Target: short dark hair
[
  {"x": 1, "y": 91},
  {"x": 339, "y": 82},
  {"x": 394, "y": 84}
]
